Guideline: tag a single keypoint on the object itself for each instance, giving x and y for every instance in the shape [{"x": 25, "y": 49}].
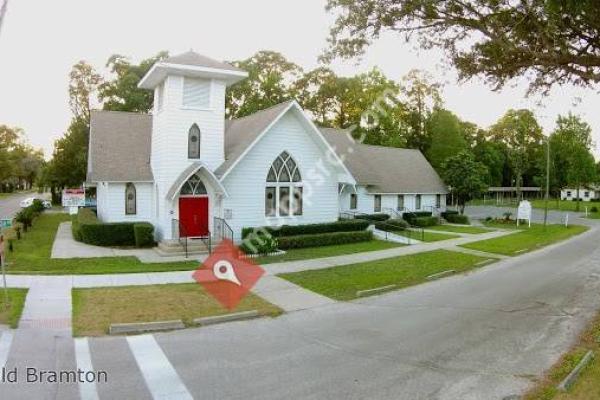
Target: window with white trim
[
  {"x": 130, "y": 199},
  {"x": 283, "y": 193},
  {"x": 418, "y": 202},
  {"x": 194, "y": 137},
  {"x": 196, "y": 93},
  {"x": 353, "y": 201},
  {"x": 377, "y": 203},
  {"x": 400, "y": 205}
]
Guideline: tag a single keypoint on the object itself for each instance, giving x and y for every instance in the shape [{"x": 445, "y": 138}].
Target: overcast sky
[{"x": 41, "y": 40}]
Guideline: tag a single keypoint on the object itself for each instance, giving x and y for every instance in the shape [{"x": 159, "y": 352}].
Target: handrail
[
  {"x": 181, "y": 228},
  {"x": 207, "y": 241},
  {"x": 222, "y": 229},
  {"x": 409, "y": 230}
]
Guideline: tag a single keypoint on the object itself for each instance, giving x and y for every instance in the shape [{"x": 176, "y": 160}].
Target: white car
[{"x": 26, "y": 202}]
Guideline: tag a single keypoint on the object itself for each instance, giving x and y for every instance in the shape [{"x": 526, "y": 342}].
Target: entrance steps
[{"x": 173, "y": 248}]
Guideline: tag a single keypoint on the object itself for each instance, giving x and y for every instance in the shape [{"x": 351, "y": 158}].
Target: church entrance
[{"x": 193, "y": 208}]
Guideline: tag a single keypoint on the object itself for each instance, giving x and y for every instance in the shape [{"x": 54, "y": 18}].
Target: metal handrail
[
  {"x": 207, "y": 241},
  {"x": 410, "y": 229},
  {"x": 222, "y": 229},
  {"x": 181, "y": 228}
]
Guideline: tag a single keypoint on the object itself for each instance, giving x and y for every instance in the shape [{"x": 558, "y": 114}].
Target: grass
[
  {"x": 527, "y": 239},
  {"x": 342, "y": 282},
  {"x": 12, "y": 314},
  {"x": 588, "y": 384},
  {"x": 427, "y": 236},
  {"x": 32, "y": 255},
  {"x": 95, "y": 309},
  {"x": 327, "y": 251},
  {"x": 460, "y": 229}
]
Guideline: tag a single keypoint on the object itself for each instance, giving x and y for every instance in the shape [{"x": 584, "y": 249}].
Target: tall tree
[
  {"x": 121, "y": 92},
  {"x": 465, "y": 176},
  {"x": 270, "y": 81},
  {"x": 581, "y": 169},
  {"x": 555, "y": 41},
  {"x": 522, "y": 136},
  {"x": 447, "y": 137},
  {"x": 83, "y": 86}
]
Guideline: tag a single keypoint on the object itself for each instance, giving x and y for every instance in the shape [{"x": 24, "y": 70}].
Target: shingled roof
[
  {"x": 120, "y": 152},
  {"x": 119, "y": 147},
  {"x": 198, "y": 60}
]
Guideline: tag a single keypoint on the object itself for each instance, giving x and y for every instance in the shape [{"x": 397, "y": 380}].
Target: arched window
[
  {"x": 194, "y": 142},
  {"x": 130, "y": 199},
  {"x": 283, "y": 193},
  {"x": 193, "y": 187}
]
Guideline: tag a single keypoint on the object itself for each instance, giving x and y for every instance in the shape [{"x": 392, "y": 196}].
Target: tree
[
  {"x": 270, "y": 81},
  {"x": 121, "y": 93},
  {"x": 581, "y": 170},
  {"x": 520, "y": 133},
  {"x": 465, "y": 176},
  {"x": 83, "y": 85},
  {"x": 447, "y": 137},
  {"x": 555, "y": 41}
]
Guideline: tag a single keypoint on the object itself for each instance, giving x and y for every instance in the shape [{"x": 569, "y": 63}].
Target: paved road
[
  {"x": 484, "y": 335},
  {"x": 9, "y": 206}
]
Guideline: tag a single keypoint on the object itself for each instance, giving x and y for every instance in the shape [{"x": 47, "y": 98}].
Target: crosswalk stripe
[
  {"x": 87, "y": 390},
  {"x": 161, "y": 378},
  {"x": 5, "y": 342}
]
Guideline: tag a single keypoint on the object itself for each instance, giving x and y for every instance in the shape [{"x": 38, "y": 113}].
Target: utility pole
[
  {"x": 546, "y": 195},
  {"x": 3, "y": 13}
]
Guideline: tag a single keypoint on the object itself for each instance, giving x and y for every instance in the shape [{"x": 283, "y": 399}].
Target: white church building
[{"x": 190, "y": 172}]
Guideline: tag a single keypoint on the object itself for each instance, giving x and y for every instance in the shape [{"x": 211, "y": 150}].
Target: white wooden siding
[
  {"x": 111, "y": 202},
  {"x": 196, "y": 93},
  {"x": 246, "y": 183},
  {"x": 366, "y": 201}
]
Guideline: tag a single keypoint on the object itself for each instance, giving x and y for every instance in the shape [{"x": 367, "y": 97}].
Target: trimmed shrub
[
  {"x": 392, "y": 225},
  {"x": 594, "y": 209},
  {"x": 448, "y": 212},
  {"x": 37, "y": 206},
  {"x": 458, "y": 219},
  {"x": 373, "y": 217},
  {"x": 423, "y": 222},
  {"x": 143, "y": 233},
  {"x": 325, "y": 239},
  {"x": 91, "y": 231},
  {"x": 294, "y": 230},
  {"x": 260, "y": 244},
  {"x": 411, "y": 216}
]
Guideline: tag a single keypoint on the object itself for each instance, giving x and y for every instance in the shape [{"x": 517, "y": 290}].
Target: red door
[{"x": 193, "y": 215}]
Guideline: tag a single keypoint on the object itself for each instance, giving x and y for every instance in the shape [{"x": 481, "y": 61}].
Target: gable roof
[
  {"x": 385, "y": 169},
  {"x": 198, "y": 60},
  {"x": 119, "y": 149}
]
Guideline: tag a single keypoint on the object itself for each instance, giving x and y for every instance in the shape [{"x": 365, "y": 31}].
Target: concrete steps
[{"x": 172, "y": 248}]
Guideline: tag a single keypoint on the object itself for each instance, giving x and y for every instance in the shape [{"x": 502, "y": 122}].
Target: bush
[
  {"x": 325, "y": 239},
  {"x": 423, "y": 222},
  {"x": 373, "y": 217},
  {"x": 294, "y": 230},
  {"x": 411, "y": 216},
  {"x": 594, "y": 209},
  {"x": 91, "y": 231},
  {"x": 25, "y": 217},
  {"x": 458, "y": 219},
  {"x": 37, "y": 206},
  {"x": 260, "y": 244},
  {"x": 392, "y": 225},
  {"x": 448, "y": 212},
  {"x": 143, "y": 233}
]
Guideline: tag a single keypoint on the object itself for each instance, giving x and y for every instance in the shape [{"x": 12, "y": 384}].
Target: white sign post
[{"x": 524, "y": 212}]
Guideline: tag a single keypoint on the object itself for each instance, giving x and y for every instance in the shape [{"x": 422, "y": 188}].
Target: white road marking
[
  {"x": 87, "y": 390},
  {"x": 160, "y": 376},
  {"x": 5, "y": 342}
]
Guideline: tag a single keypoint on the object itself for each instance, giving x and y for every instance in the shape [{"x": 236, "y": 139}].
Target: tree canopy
[{"x": 552, "y": 41}]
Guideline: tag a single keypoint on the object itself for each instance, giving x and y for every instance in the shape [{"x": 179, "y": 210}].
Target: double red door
[{"x": 193, "y": 215}]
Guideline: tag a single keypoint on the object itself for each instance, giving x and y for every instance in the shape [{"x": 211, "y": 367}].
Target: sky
[{"x": 41, "y": 40}]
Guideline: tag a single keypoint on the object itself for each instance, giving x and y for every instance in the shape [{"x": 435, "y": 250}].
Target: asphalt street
[
  {"x": 483, "y": 335},
  {"x": 9, "y": 206}
]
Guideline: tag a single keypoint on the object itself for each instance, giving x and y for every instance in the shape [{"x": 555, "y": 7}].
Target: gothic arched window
[
  {"x": 283, "y": 193},
  {"x": 194, "y": 142},
  {"x": 130, "y": 199}
]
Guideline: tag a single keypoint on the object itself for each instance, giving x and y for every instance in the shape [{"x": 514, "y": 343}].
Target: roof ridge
[
  {"x": 263, "y": 110},
  {"x": 120, "y": 112}
]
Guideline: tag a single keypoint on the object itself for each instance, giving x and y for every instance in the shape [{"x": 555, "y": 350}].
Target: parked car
[
  {"x": 26, "y": 202},
  {"x": 47, "y": 204}
]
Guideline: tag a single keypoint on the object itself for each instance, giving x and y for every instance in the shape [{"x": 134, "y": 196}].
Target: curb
[
  {"x": 362, "y": 293},
  {"x": 572, "y": 377},
  {"x": 217, "y": 319},
  {"x": 489, "y": 260},
  {"x": 141, "y": 327},
  {"x": 440, "y": 274}
]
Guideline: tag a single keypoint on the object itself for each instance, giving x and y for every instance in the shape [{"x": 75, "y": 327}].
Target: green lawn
[
  {"x": 327, "y": 251},
  {"x": 95, "y": 309},
  {"x": 12, "y": 314},
  {"x": 427, "y": 236},
  {"x": 460, "y": 229},
  {"x": 527, "y": 239},
  {"x": 32, "y": 255},
  {"x": 342, "y": 282}
]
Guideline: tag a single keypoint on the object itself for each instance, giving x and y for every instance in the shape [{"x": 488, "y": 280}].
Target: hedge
[
  {"x": 373, "y": 217},
  {"x": 424, "y": 221},
  {"x": 448, "y": 212},
  {"x": 410, "y": 216},
  {"x": 263, "y": 244},
  {"x": 143, "y": 233},
  {"x": 392, "y": 225},
  {"x": 325, "y": 239},
  {"x": 294, "y": 230},
  {"x": 88, "y": 229},
  {"x": 457, "y": 219}
]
